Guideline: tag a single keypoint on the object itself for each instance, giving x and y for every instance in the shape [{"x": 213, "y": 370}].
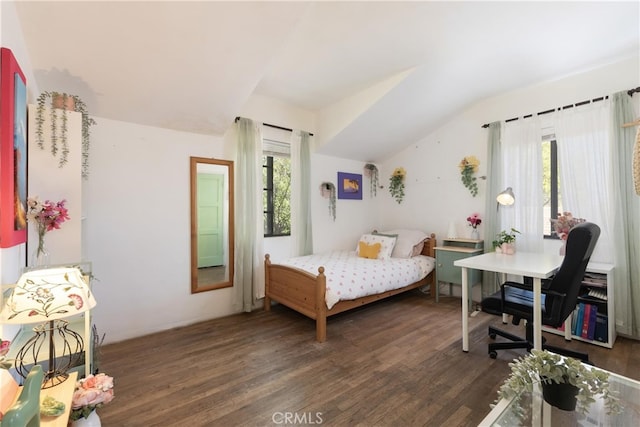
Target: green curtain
[
  {"x": 249, "y": 229},
  {"x": 301, "y": 229},
  {"x": 626, "y": 224},
  {"x": 494, "y": 181},
  {"x": 306, "y": 231}
]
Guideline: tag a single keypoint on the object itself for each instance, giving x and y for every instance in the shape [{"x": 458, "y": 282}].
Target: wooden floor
[{"x": 393, "y": 363}]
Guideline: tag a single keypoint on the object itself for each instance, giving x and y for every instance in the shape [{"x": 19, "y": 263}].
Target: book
[
  {"x": 577, "y": 330},
  {"x": 584, "y": 330},
  {"x": 602, "y": 328},
  {"x": 593, "y": 315},
  {"x": 574, "y": 320}
]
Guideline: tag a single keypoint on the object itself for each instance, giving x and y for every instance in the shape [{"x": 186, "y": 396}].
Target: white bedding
[{"x": 350, "y": 276}]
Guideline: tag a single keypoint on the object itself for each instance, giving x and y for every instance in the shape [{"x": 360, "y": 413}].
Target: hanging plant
[
  {"x": 396, "y": 184},
  {"x": 59, "y": 104},
  {"x": 328, "y": 190},
  {"x": 371, "y": 171},
  {"x": 468, "y": 167}
]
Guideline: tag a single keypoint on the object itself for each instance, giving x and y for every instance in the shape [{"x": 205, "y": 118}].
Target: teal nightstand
[{"x": 450, "y": 251}]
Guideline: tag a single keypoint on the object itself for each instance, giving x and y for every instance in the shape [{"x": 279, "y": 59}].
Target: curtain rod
[
  {"x": 273, "y": 126},
  {"x": 630, "y": 92}
]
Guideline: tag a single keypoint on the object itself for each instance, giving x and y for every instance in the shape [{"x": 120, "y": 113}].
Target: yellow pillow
[{"x": 368, "y": 251}]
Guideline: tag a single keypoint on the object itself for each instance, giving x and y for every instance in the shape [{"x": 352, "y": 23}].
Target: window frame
[
  {"x": 554, "y": 178},
  {"x": 269, "y": 213}
]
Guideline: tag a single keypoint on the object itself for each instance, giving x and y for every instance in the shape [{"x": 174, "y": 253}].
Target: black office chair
[{"x": 558, "y": 300}]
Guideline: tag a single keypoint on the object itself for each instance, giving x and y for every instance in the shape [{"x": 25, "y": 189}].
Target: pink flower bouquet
[
  {"x": 4, "y": 349},
  {"x": 91, "y": 393},
  {"x": 564, "y": 224},
  {"x": 474, "y": 220}
]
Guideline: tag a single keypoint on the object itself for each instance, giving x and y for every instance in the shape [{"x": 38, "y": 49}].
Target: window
[
  {"x": 276, "y": 195},
  {"x": 552, "y": 199}
]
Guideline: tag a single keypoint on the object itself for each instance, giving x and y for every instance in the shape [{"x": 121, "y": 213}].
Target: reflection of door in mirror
[{"x": 211, "y": 224}]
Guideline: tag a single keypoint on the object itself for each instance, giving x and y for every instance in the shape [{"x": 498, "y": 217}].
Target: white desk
[{"x": 536, "y": 265}]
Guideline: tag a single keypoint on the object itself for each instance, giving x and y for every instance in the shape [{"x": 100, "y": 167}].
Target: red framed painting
[{"x": 13, "y": 151}]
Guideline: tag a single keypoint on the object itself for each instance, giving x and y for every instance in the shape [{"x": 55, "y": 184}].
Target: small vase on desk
[
  {"x": 475, "y": 234},
  {"x": 93, "y": 420}
]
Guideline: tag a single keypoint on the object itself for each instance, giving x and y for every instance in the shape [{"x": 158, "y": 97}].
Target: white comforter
[{"x": 350, "y": 276}]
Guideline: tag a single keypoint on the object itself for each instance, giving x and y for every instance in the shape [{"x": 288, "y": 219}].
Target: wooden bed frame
[{"x": 305, "y": 292}]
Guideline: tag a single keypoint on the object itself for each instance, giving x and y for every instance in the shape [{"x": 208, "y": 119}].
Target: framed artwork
[
  {"x": 13, "y": 151},
  {"x": 349, "y": 186}
]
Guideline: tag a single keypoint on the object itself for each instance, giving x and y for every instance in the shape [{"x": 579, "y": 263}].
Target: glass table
[{"x": 539, "y": 413}]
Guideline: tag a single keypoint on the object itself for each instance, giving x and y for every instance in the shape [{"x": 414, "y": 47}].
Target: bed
[{"x": 315, "y": 285}]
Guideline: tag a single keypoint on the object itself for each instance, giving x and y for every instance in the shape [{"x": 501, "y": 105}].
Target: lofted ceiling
[{"x": 192, "y": 66}]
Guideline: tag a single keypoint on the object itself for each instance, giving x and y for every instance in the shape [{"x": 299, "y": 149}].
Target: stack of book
[{"x": 588, "y": 324}]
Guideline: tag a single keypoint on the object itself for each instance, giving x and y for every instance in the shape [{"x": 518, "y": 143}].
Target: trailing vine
[
  {"x": 371, "y": 171},
  {"x": 59, "y": 136},
  {"x": 328, "y": 190},
  {"x": 396, "y": 184},
  {"x": 468, "y": 167}
]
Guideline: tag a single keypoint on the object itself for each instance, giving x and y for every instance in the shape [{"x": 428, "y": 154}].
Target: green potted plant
[
  {"x": 552, "y": 370},
  {"x": 505, "y": 241},
  {"x": 57, "y": 102},
  {"x": 396, "y": 184}
]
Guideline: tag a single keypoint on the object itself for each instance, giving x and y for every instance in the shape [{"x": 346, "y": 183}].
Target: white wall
[
  {"x": 137, "y": 229},
  {"x": 434, "y": 193}
]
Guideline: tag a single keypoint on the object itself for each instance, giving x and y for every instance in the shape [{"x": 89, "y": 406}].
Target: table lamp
[
  {"x": 49, "y": 296},
  {"x": 506, "y": 198}
]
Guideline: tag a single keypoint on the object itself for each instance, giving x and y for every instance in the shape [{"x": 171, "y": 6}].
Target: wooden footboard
[{"x": 305, "y": 293}]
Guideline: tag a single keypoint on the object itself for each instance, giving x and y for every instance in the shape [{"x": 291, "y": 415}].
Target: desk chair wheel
[
  {"x": 493, "y": 354},
  {"x": 492, "y": 336}
]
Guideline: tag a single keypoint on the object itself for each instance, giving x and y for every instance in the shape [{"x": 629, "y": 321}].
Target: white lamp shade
[
  {"x": 506, "y": 198},
  {"x": 48, "y": 294}
]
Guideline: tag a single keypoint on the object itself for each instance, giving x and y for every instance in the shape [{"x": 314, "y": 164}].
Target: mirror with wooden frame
[{"x": 211, "y": 224}]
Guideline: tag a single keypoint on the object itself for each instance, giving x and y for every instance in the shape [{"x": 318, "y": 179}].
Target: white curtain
[
  {"x": 494, "y": 187},
  {"x": 626, "y": 216},
  {"x": 301, "y": 230},
  {"x": 249, "y": 228},
  {"x": 522, "y": 171},
  {"x": 582, "y": 135}
]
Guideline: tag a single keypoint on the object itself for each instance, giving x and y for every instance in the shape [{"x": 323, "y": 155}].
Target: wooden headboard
[{"x": 429, "y": 246}]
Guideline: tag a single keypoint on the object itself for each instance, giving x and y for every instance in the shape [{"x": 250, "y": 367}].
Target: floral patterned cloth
[{"x": 350, "y": 276}]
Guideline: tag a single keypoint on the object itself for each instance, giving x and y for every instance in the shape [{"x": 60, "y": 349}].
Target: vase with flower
[
  {"x": 562, "y": 225},
  {"x": 474, "y": 221},
  {"x": 45, "y": 216},
  {"x": 91, "y": 393}
]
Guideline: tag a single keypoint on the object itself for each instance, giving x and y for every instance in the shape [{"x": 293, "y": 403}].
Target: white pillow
[
  {"x": 386, "y": 244},
  {"x": 405, "y": 242}
]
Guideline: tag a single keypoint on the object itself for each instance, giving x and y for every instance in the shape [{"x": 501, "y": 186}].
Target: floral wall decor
[
  {"x": 468, "y": 167},
  {"x": 371, "y": 171},
  {"x": 396, "y": 184},
  {"x": 328, "y": 190}
]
